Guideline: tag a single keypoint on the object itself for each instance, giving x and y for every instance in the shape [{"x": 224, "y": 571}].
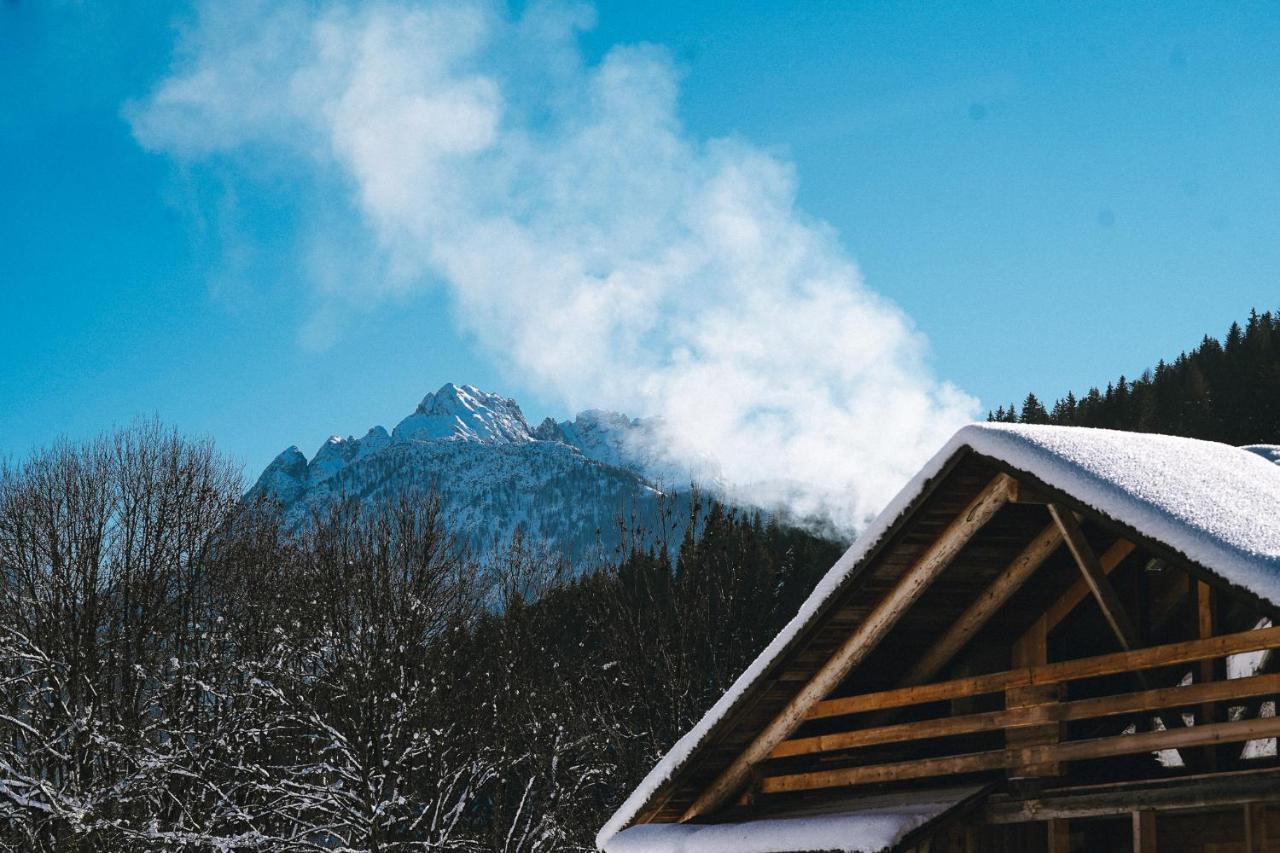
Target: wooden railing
[{"x": 1042, "y": 714}]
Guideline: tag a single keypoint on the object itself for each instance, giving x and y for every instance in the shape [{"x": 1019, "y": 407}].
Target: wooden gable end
[{"x": 1001, "y": 630}]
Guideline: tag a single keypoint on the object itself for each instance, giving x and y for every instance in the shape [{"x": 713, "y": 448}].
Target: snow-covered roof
[
  {"x": 1216, "y": 504},
  {"x": 871, "y": 828},
  {"x": 1269, "y": 452}
]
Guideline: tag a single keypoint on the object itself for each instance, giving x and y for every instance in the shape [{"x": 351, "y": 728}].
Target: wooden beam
[
  {"x": 1059, "y": 832},
  {"x": 865, "y": 637},
  {"x": 1079, "y": 590},
  {"x": 1104, "y": 593},
  {"x": 1168, "y": 602},
  {"x": 1167, "y": 697},
  {"x": 1025, "y": 494},
  {"x": 1144, "y": 831},
  {"x": 975, "y": 762},
  {"x": 1033, "y": 715},
  {"x": 1095, "y": 577},
  {"x": 924, "y": 768},
  {"x": 1068, "y": 670},
  {"x": 1114, "y": 799},
  {"x": 1204, "y": 617},
  {"x": 1208, "y": 670},
  {"x": 1033, "y": 650},
  {"x": 1255, "y": 828},
  {"x": 975, "y": 618},
  {"x": 1107, "y": 747}
]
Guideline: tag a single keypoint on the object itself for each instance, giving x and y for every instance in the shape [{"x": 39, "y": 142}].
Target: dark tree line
[
  {"x": 1225, "y": 391},
  {"x": 179, "y": 672}
]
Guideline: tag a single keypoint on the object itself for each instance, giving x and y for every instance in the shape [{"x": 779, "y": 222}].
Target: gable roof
[{"x": 1213, "y": 503}]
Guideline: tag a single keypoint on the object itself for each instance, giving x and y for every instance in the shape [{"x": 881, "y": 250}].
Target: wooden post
[
  {"x": 1144, "y": 832},
  {"x": 1204, "y": 623},
  {"x": 1210, "y": 669},
  {"x": 1255, "y": 828},
  {"x": 1032, "y": 650},
  {"x": 1141, "y": 606},
  {"x": 1059, "y": 830}
]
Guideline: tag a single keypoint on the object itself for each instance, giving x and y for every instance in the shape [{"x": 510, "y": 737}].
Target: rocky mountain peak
[
  {"x": 565, "y": 482},
  {"x": 464, "y": 412}
]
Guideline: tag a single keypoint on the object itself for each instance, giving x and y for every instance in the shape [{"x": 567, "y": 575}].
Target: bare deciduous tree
[{"x": 102, "y": 548}]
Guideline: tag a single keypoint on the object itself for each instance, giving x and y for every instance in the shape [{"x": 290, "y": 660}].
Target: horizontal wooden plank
[
  {"x": 1083, "y": 750},
  {"x": 1170, "y": 697},
  {"x": 1053, "y": 673},
  {"x": 1121, "y": 798},
  {"x": 1032, "y": 715},
  {"x": 923, "y": 768},
  {"x": 975, "y": 762}
]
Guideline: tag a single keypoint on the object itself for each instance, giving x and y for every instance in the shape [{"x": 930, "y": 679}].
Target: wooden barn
[{"x": 1053, "y": 639}]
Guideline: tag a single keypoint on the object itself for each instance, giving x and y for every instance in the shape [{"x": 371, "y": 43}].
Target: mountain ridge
[{"x": 575, "y": 484}]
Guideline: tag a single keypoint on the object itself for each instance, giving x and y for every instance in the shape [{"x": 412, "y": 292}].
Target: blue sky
[{"x": 1054, "y": 194}]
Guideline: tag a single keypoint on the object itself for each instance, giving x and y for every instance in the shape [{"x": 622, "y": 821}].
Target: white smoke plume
[{"x": 603, "y": 253}]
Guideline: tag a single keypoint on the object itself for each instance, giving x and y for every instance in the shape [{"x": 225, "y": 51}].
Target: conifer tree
[
  {"x": 1221, "y": 391},
  {"x": 1033, "y": 411}
]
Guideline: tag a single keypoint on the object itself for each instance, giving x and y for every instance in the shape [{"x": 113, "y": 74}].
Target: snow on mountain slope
[
  {"x": 636, "y": 444},
  {"x": 567, "y": 483},
  {"x": 607, "y": 437},
  {"x": 285, "y": 479}
]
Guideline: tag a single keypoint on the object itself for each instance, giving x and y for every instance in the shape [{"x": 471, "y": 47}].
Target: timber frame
[{"x": 1004, "y": 633}]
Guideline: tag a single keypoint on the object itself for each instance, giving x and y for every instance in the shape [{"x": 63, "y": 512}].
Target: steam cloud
[{"x": 596, "y": 247}]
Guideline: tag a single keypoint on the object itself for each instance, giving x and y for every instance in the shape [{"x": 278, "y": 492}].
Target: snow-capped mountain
[
  {"x": 567, "y": 482},
  {"x": 464, "y": 413}
]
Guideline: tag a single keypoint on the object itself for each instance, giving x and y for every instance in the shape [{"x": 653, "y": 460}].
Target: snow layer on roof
[
  {"x": 1215, "y": 503},
  {"x": 869, "y": 830},
  {"x": 1219, "y": 505},
  {"x": 1269, "y": 452}
]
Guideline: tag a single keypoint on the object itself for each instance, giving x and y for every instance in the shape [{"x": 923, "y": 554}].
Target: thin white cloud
[{"x": 592, "y": 244}]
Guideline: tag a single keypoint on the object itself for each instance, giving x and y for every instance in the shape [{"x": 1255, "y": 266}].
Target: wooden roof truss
[{"x": 1151, "y": 676}]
